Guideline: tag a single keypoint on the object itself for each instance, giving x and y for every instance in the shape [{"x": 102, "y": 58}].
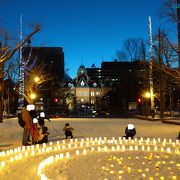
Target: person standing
[
  {"x": 28, "y": 122},
  {"x": 41, "y": 119}
]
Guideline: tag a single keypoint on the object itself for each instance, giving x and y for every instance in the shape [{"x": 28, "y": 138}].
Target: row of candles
[
  {"x": 94, "y": 141},
  {"x": 122, "y": 145}
]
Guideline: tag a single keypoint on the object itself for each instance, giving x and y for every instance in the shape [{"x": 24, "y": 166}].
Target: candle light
[
  {"x": 155, "y": 148},
  {"x": 75, "y": 145},
  {"x": 3, "y": 163},
  {"x": 168, "y": 150},
  {"x": 57, "y": 157},
  {"x": 92, "y": 149},
  {"x": 112, "y": 148},
  {"x": 105, "y": 148},
  {"x": 162, "y": 149},
  {"x": 20, "y": 156},
  {"x": 33, "y": 153},
  {"x": 131, "y": 148},
  {"x": 61, "y": 155},
  {"x": 44, "y": 145},
  {"x": 118, "y": 147},
  {"x": 16, "y": 157},
  {"x": 11, "y": 159},
  {"x": 69, "y": 145},
  {"x": 32, "y": 147},
  {"x": 99, "y": 149},
  {"x": 123, "y": 148},
  {"x": 37, "y": 146},
  {"x": 84, "y": 151},
  {"x": 77, "y": 152}
]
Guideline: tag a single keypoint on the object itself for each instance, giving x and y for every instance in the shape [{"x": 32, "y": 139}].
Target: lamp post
[
  {"x": 33, "y": 97},
  {"x": 146, "y": 95}
]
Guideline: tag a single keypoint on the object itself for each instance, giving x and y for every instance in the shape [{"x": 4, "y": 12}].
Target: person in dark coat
[
  {"x": 41, "y": 119},
  {"x": 28, "y": 122},
  {"x": 130, "y": 131},
  {"x": 43, "y": 135},
  {"x": 68, "y": 130}
]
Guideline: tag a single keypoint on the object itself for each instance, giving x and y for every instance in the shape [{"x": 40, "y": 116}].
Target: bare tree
[
  {"x": 164, "y": 58},
  {"x": 171, "y": 11},
  {"x": 31, "y": 84},
  {"x": 133, "y": 49},
  {"x": 6, "y": 54}
]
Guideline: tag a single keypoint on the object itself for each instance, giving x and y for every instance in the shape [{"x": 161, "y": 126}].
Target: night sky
[{"x": 90, "y": 31}]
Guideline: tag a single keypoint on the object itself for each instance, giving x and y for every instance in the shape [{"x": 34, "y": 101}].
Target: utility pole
[{"x": 150, "y": 69}]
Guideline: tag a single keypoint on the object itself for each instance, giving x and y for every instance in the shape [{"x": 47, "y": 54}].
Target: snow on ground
[{"x": 93, "y": 165}]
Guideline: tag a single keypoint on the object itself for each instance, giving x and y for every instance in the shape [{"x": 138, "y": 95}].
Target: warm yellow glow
[
  {"x": 33, "y": 96},
  {"x": 36, "y": 79},
  {"x": 147, "y": 95}
]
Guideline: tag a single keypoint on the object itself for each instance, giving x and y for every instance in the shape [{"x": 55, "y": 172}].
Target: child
[
  {"x": 43, "y": 135},
  {"x": 68, "y": 130}
]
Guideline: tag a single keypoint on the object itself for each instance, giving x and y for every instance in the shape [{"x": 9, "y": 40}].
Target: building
[
  {"x": 88, "y": 91},
  {"x": 125, "y": 78}
]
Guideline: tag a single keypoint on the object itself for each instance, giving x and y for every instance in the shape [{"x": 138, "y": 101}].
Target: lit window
[
  {"x": 97, "y": 93},
  {"x": 92, "y": 93},
  {"x": 92, "y": 101}
]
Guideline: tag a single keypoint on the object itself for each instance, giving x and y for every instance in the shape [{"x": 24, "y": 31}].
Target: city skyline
[{"x": 90, "y": 31}]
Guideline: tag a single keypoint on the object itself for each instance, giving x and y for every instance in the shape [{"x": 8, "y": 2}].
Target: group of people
[{"x": 34, "y": 130}]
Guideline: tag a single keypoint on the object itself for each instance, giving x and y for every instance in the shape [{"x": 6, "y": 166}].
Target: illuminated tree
[{"x": 6, "y": 53}]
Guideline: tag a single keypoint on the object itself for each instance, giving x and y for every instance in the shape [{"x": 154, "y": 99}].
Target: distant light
[
  {"x": 147, "y": 95},
  {"x": 36, "y": 79},
  {"x": 33, "y": 96}
]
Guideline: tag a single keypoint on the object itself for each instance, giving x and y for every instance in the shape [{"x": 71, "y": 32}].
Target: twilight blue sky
[{"x": 90, "y": 31}]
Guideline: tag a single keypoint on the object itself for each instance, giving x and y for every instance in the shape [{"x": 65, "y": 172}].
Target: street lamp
[
  {"x": 36, "y": 79},
  {"x": 32, "y": 96},
  {"x": 146, "y": 95}
]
